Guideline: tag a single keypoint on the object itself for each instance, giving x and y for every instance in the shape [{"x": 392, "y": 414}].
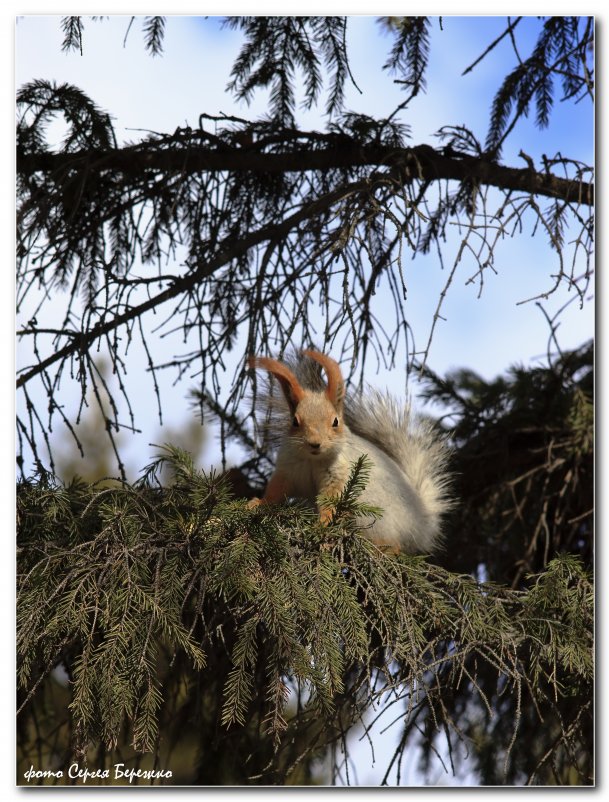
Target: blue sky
[{"x": 486, "y": 335}]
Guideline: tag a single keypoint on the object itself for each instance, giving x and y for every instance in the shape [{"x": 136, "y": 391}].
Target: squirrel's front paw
[
  {"x": 325, "y": 515},
  {"x": 253, "y": 503}
]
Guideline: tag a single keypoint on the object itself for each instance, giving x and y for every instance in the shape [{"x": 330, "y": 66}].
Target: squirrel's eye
[
  {"x": 335, "y": 422},
  {"x": 295, "y": 421}
]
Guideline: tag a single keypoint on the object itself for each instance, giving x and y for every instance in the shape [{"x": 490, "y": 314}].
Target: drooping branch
[
  {"x": 231, "y": 250},
  {"x": 420, "y": 162},
  {"x": 264, "y": 223}
]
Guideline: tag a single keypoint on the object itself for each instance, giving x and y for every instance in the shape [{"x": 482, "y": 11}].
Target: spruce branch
[
  {"x": 422, "y": 162},
  {"x": 254, "y": 612}
]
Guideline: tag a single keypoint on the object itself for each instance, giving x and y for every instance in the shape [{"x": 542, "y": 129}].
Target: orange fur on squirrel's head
[
  {"x": 335, "y": 390},
  {"x": 317, "y": 421},
  {"x": 292, "y": 390}
]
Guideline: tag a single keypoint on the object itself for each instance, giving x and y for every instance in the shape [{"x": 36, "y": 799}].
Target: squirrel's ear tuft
[
  {"x": 292, "y": 390},
  {"x": 336, "y": 384}
]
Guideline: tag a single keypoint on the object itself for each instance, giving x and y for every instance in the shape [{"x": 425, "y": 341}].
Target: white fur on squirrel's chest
[{"x": 309, "y": 475}]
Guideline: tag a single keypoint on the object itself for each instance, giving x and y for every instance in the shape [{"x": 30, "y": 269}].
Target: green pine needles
[{"x": 160, "y": 621}]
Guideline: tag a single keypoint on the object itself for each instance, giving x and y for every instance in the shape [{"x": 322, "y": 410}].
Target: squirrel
[{"x": 321, "y": 434}]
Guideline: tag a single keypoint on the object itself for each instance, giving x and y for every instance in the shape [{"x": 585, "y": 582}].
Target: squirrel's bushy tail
[{"x": 412, "y": 442}]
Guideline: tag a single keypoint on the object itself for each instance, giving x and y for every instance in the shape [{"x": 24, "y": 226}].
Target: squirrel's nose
[{"x": 315, "y": 446}]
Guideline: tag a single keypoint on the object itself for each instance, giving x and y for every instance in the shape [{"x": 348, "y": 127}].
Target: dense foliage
[
  {"x": 524, "y": 478},
  {"x": 188, "y": 624}
]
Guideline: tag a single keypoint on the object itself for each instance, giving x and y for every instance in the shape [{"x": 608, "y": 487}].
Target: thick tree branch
[
  {"x": 230, "y": 250},
  {"x": 419, "y": 162}
]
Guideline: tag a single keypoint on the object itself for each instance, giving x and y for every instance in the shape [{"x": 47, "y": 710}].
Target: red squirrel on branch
[{"x": 323, "y": 433}]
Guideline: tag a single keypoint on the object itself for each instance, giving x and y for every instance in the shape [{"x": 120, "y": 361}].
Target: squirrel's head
[{"x": 316, "y": 417}]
